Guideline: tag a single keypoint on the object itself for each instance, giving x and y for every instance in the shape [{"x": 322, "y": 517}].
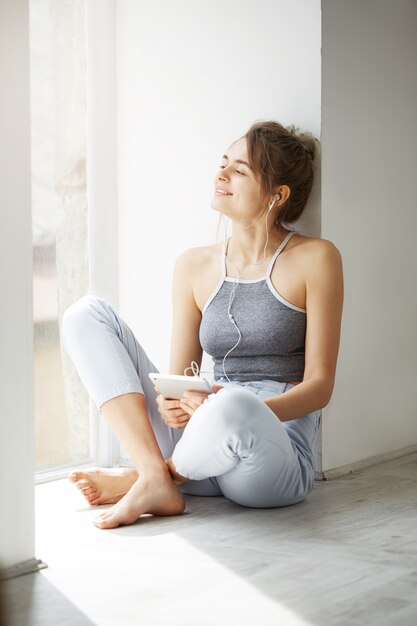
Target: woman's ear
[{"x": 284, "y": 193}]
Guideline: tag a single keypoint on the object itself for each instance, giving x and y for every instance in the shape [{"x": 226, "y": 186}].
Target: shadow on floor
[
  {"x": 343, "y": 555},
  {"x": 31, "y": 600},
  {"x": 346, "y": 555}
]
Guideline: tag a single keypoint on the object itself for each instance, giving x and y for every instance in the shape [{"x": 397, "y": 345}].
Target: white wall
[
  {"x": 102, "y": 148},
  {"x": 192, "y": 77},
  {"x": 16, "y": 413},
  {"x": 369, "y": 209}
]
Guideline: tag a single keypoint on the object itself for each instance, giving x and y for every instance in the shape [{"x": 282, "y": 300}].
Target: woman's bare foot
[
  {"x": 177, "y": 478},
  {"x": 104, "y": 486},
  {"x": 153, "y": 493}
]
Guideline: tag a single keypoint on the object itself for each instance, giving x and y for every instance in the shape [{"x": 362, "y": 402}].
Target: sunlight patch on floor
[{"x": 142, "y": 574}]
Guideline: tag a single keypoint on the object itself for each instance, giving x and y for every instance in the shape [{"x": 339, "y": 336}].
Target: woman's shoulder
[
  {"x": 317, "y": 259},
  {"x": 310, "y": 248},
  {"x": 201, "y": 256}
]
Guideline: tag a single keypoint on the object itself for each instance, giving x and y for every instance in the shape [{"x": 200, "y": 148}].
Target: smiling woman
[
  {"x": 252, "y": 438},
  {"x": 286, "y": 157}
]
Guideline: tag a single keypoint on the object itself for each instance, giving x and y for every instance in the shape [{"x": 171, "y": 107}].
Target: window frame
[{"x": 102, "y": 201}]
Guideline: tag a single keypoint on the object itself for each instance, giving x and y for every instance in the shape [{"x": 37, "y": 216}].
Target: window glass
[{"x": 59, "y": 213}]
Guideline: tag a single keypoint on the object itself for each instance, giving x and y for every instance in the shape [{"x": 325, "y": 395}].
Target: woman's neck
[{"x": 246, "y": 247}]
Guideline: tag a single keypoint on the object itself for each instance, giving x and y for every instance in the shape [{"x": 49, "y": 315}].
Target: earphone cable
[{"x": 233, "y": 290}]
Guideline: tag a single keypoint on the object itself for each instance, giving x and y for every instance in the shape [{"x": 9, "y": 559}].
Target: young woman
[{"x": 267, "y": 305}]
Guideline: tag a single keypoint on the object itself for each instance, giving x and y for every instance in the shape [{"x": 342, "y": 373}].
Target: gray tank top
[{"x": 272, "y": 345}]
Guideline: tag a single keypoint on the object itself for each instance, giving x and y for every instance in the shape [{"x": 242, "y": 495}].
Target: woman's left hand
[{"x": 191, "y": 400}]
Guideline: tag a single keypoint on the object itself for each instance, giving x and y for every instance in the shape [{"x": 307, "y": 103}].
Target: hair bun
[
  {"x": 306, "y": 139},
  {"x": 282, "y": 155}
]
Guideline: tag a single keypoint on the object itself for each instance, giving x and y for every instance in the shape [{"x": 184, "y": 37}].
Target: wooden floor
[{"x": 347, "y": 555}]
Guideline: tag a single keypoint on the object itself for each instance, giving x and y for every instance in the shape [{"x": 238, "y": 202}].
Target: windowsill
[{"x": 59, "y": 473}]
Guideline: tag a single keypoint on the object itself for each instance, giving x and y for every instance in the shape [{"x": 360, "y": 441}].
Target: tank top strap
[
  {"x": 223, "y": 266},
  {"x": 281, "y": 247}
]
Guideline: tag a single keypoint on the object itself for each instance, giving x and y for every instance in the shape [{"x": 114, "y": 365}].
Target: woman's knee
[
  {"x": 81, "y": 311},
  {"x": 233, "y": 407}
]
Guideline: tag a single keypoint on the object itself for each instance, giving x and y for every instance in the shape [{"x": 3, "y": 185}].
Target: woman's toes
[
  {"x": 105, "y": 521},
  {"x": 74, "y": 476},
  {"x": 83, "y": 484},
  {"x": 89, "y": 490},
  {"x": 92, "y": 497}
]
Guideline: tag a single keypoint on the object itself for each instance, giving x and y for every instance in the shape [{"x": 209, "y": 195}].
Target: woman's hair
[{"x": 281, "y": 155}]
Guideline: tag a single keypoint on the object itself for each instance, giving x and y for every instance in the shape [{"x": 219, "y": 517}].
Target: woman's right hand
[{"x": 171, "y": 412}]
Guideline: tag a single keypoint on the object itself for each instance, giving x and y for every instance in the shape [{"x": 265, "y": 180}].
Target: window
[{"x": 59, "y": 211}]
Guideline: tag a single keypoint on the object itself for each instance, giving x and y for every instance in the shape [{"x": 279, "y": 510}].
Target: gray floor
[
  {"x": 32, "y": 600},
  {"x": 346, "y": 555}
]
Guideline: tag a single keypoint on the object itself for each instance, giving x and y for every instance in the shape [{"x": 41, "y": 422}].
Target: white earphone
[{"x": 239, "y": 276}]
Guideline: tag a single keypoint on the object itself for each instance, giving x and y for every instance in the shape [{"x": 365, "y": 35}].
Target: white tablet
[{"x": 172, "y": 386}]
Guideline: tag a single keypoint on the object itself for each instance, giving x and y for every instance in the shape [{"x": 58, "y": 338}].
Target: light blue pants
[{"x": 233, "y": 445}]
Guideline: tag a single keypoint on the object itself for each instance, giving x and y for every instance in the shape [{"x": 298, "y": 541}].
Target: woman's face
[{"x": 242, "y": 199}]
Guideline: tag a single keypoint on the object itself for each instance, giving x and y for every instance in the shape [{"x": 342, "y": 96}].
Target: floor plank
[{"x": 347, "y": 555}]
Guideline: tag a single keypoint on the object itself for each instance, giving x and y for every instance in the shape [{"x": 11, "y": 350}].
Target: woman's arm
[
  {"x": 186, "y": 316},
  {"x": 324, "y": 303},
  {"x": 185, "y": 344}
]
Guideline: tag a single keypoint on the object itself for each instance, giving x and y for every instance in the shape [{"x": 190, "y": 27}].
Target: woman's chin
[{"x": 217, "y": 206}]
